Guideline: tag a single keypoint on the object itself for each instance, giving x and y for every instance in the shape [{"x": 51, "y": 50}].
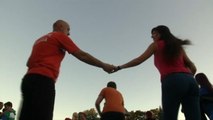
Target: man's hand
[{"x": 109, "y": 68}]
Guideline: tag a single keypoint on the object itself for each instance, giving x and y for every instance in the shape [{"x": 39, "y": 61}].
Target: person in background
[
  {"x": 206, "y": 95},
  {"x": 1, "y": 106},
  {"x": 75, "y": 116},
  {"x": 82, "y": 116},
  {"x": 38, "y": 84},
  {"x": 149, "y": 115},
  {"x": 68, "y": 118},
  {"x": 176, "y": 69},
  {"x": 9, "y": 113},
  {"x": 114, "y": 103}
]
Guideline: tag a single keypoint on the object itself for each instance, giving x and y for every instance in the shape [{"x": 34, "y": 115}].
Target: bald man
[{"x": 38, "y": 84}]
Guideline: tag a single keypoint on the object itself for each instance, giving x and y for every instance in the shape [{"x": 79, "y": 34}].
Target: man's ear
[{"x": 61, "y": 27}]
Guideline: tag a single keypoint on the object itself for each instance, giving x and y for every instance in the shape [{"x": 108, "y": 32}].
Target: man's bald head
[{"x": 61, "y": 26}]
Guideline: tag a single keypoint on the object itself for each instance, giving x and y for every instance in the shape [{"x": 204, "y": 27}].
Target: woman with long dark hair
[
  {"x": 206, "y": 95},
  {"x": 176, "y": 70}
]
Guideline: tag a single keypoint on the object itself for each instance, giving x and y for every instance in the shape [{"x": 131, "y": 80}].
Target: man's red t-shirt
[
  {"x": 48, "y": 52},
  {"x": 113, "y": 100}
]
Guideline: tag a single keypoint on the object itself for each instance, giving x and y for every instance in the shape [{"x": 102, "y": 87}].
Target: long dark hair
[
  {"x": 203, "y": 80},
  {"x": 173, "y": 45}
]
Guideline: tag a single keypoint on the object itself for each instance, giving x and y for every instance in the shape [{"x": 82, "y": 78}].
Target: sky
[{"x": 114, "y": 31}]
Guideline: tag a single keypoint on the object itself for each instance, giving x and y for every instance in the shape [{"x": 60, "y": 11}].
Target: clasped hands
[{"x": 110, "y": 68}]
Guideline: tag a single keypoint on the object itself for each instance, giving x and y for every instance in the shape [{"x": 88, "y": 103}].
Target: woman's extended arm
[{"x": 143, "y": 57}]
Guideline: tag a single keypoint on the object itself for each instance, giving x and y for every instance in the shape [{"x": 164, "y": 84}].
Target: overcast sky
[{"x": 114, "y": 31}]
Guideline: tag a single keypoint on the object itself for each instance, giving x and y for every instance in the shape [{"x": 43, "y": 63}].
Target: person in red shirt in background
[
  {"x": 68, "y": 119},
  {"x": 177, "y": 73},
  {"x": 38, "y": 84},
  {"x": 114, "y": 103},
  {"x": 1, "y": 106}
]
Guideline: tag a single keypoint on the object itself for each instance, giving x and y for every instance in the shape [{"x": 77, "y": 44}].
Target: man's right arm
[
  {"x": 89, "y": 59},
  {"x": 97, "y": 104}
]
